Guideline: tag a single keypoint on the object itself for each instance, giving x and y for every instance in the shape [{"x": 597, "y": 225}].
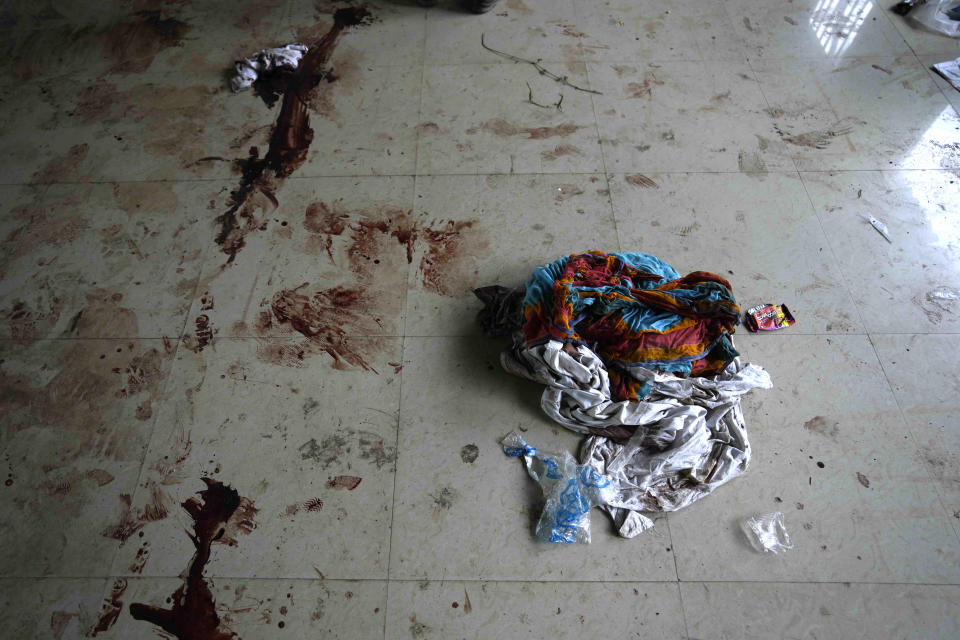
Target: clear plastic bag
[
  {"x": 570, "y": 490},
  {"x": 767, "y": 533},
  {"x": 939, "y": 16}
]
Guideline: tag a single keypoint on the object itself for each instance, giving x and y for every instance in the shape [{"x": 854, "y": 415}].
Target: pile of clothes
[{"x": 641, "y": 360}]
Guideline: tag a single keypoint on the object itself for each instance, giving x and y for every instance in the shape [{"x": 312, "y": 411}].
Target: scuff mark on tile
[
  {"x": 112, "y": 606},
  {"x": 751, "y": 163},
  {"x": 443, "y": 500},
  {"x": 501, "y": 128},
  {"x": 344, "y": 482},
  {"x": 644, "y": 89},
  {"x": 640, "y": 180},
  {"x": 823, "y": 426},
  {"x": 561, "y": 150},
  {"x": 818, "y": 138}
]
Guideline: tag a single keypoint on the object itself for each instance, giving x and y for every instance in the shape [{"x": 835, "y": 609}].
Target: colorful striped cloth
[{"x": 633, "y": 310}]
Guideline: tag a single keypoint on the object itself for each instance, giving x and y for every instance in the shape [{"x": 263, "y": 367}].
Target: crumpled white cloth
[
  {"x": 950, "y": 70},
  {"x": 690, "y": 437},
  {"x": 248, "y": 69}
]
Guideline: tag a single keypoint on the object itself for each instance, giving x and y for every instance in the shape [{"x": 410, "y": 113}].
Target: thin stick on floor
[{"x": 536, "y": 65}]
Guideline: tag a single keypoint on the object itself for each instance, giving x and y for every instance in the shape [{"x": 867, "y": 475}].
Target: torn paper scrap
[
  {"x": 880, "y": 227},
  {"x": 249, "y": 69}
]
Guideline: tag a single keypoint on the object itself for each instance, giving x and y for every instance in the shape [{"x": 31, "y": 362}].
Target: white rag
[
  {"x": 950, "y": 70},
  {"x": 690, "y": 436},
  {"x": 248, "y": 69}
]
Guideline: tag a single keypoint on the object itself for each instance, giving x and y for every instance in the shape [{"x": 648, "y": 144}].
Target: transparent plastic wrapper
[
  {"x": 570, "y": 490},
  {"x": 940, "y": 16},
  {"x": 767, "y": 533}
]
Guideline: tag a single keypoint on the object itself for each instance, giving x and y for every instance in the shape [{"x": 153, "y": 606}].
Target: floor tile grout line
[
  {"x": 355, "y": 176},
  {"x": 403, "y": 339},
  {"x": 458, "y": 335},
  {"x": 913, "y": 437},
  {"x": 676, "y": 569},
  {"x": 214, "y": 577},
  {"x": 843, "y": 276},
  {"x": 603, "y": 159},
  {"x": 214, "y": 78}
]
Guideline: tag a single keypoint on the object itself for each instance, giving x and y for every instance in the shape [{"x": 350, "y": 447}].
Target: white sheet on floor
[
  {"x": 950, "y": 70},
  {"x": 690, "y": 437},
  {"x": 248, "y": 69}
]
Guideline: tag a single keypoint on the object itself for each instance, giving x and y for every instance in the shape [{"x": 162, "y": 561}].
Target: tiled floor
[{"x": 334, "y": 342}]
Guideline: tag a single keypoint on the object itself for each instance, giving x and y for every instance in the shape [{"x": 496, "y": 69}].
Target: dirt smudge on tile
[
  {"x": 644, "y": 89},
  {"x": 447, "y": 265},
  {"x": 249, "y": 16},
  {"x": 503, "y": 129},
  {"x": 443, "y": 500},
  {"x": 561, "y": 150},
  {"x": 418, "y": 629},
  {"x": 325, "y": 318},
  {"x": 140, "y": 560},
  {"x": 193, "y": 613},
  {"x": 112, "y": 606},
  {"x": 518, "y": 5},
  {"x": 790, "y": 20},
  {"x": 884, "y": 69},
  {"x": 66, "y": 168},
  {"x": 373, "y": 245},
  {"x": 132, "y": 45},
  {"x": 55, "y": 224},
  {"x": 818, "y": 138},
  {"x": 864, "y": 480},
  {"x": 715, "y": 101},
  {"x": 751, "y": 163},
  {"x": 427, "y": 128},
  {"x": 100, "y": 476},
  {"x": 686, "y": 230},
  {"x": 344, "y": 482},
  {"x": 566, "y": 191},
  {"x": 203, "y": 332},
  {"x": 823, "y": 426},
  {"x": 59, "y": 620},
  {"x": 134, "y": 197},
  {"x": 467, "y": 606},
  {"x": 23, "y": 322},
  {"x": 172, "y": 114},
  {"x": 133, "y": 519},
  {"x": 89, "y": 380},
  {"x": 640, "y": 180},
  {"x": 469, "y": 453},
  {"x": 374, "y": 449},
  {"x": 368, "y": 446},
  {"x": 937, "y": 302}
]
